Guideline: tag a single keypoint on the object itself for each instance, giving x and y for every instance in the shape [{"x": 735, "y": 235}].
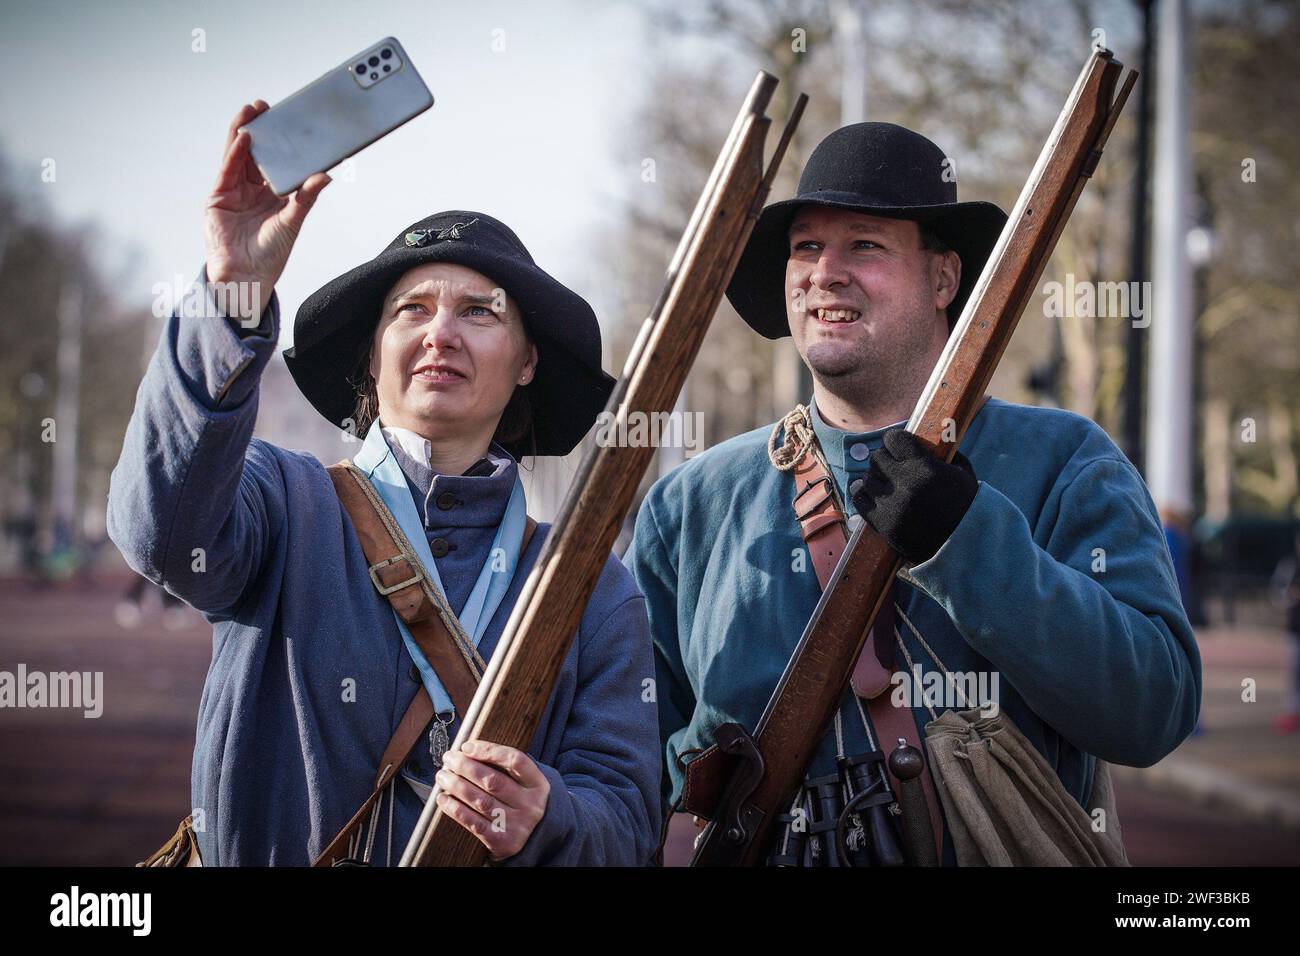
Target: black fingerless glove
[{"x": 914, "y": 499}]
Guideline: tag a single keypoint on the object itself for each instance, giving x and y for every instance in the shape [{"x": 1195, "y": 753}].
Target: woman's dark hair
[{"x": 516, "y": 421}]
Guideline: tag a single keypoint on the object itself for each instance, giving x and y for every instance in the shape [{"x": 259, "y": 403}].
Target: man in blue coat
[
  {"x": 1036, "y": 559},
  {"x": 451, "y": 354}
]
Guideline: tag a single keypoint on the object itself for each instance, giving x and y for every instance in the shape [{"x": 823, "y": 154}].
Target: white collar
[{"x": 420, "y": 450}]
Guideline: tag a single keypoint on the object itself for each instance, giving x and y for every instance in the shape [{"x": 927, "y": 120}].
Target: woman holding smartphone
[{"x": 451, "y": 355}]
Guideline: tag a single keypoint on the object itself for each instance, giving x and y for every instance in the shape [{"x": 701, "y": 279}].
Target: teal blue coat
[{"x": 1091, "y": 663}]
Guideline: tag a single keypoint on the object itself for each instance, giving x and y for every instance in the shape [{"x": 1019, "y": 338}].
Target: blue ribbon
[{"x": 379, "y": 464}]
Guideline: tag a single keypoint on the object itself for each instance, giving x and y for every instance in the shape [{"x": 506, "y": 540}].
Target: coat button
[
  {"x": 859, "y": 451},
  {"x": 446, "y": 501},
  {"x": 414, "y": 673},
  {"x": 855, "y": 486},
  {"x": 439, "y": 547}
]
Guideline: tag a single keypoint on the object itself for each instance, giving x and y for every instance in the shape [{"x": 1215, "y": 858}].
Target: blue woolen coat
[{"x": 309, "y": 673}]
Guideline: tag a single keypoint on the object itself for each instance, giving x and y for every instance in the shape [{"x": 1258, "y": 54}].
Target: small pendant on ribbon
[{"x": 439, "y": 739}]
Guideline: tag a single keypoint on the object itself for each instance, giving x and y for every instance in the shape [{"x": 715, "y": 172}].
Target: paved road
[{"x": 107, "y": 791}]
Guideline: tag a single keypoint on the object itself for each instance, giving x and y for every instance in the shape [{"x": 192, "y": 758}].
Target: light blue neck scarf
[{"x": 380, "y": 465}]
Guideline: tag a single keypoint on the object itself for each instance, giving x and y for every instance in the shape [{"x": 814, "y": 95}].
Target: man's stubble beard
[
  {"x": 832, "y": 361},
  {"x": 843, "y": 371},
  {"x": 858, "y": 376},
  {"x": 868, "y": 375}
]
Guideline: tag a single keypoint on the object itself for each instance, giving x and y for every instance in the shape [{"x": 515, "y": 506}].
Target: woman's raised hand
[{"x": 248, "y": 231}]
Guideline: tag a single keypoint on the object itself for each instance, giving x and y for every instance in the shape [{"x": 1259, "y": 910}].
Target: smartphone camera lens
[
  {"x": 374, "y": 61},
  {"x": 386, "y": 53},
  {"x": 374, "y": 76},
  {"x": 387, "y": 67},
  {"x": 361, "y": 68}
]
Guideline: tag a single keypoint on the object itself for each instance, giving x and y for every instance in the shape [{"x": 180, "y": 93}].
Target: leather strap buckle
[
  {"x": 827, "y": 495},
  {"x": 379, "y": 585}
]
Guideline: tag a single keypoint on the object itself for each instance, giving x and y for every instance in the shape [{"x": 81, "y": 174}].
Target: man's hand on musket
[
  {"x": 495, "y": 792},
  {"x": 248, "y": 231},
  {"x": 913, "y": 498}
]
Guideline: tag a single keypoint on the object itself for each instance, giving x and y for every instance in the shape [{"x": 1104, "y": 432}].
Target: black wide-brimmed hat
[
  {"x": 335, "y": 324},
  {"x": 876, "y": 168}
]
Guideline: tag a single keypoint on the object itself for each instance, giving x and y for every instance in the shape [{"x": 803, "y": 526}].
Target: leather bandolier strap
[
  {"x": 397, "y": 574},
  {"x": 825, "y": 530}
]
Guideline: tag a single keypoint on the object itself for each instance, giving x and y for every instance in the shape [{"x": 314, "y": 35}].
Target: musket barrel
[{"x": 513, "y": 695}]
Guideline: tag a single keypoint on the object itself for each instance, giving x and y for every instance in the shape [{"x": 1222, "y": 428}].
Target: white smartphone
[{"x": 339, "y": 114}]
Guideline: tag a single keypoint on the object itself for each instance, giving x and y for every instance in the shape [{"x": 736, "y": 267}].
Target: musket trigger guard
[{"x": 738, "y": 818}]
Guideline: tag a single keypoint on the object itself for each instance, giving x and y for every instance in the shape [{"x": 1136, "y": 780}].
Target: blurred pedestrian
[{"x": 1286, "y": 586}]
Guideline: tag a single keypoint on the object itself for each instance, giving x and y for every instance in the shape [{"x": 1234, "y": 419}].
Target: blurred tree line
[
  {"x": 1247, "y": 60},
  {"x": 986, "y": 81},
  {"x": 47, "y": 269}
]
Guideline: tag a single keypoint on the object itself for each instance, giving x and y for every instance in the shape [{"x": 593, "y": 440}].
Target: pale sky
[
  {"x": 135, "y": 121},
  {"x": 541, "y": 134}
]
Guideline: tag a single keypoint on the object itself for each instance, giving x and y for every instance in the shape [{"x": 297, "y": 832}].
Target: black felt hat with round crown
[
  {"x": 876, "y": 168},
  {"x": 335, "y": 325}
]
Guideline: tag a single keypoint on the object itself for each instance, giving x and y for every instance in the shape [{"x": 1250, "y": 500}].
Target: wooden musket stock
[
  {"x": 521, "y": 676},
  {"x": 805, "y": 700}
]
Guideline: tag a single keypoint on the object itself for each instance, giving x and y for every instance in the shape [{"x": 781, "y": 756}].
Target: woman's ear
[
  {"x": 373, "y": 363},
  {"x": 530, "y": 365}
]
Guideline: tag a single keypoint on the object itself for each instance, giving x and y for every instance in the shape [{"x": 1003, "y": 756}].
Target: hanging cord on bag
[
  {"x": 965, "y": 701},
  {"x": 866, "y": 724}
]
